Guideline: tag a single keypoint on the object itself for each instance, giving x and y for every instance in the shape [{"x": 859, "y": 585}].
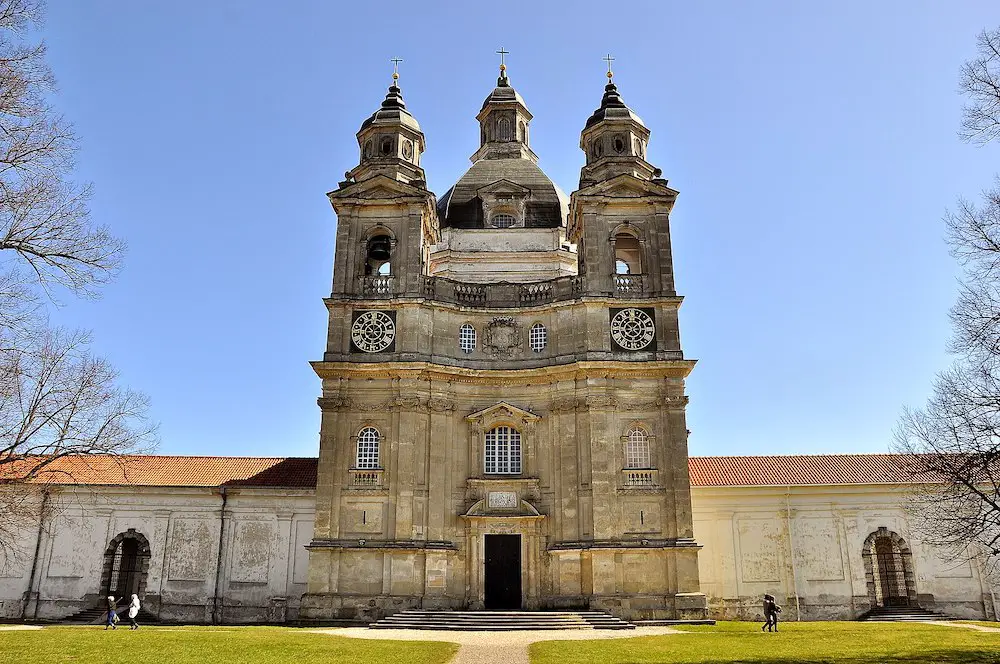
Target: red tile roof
[
  {"x": 155, "y": 470},
  {"x": 143, "y": 470},
  {"x": 802, "y": 470}
]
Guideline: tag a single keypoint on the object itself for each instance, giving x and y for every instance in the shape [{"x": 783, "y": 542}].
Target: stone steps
[
  {"x": 500, "y": 621},
  {"x": 902, "y": 614},
  {"x": 98, "y": 616}
]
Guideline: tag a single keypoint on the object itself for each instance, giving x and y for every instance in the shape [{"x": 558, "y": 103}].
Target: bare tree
[
  {"x": 980, "y": 81},
  {"x": 56, "y": 397},
  {"x": 955, "y": 438}
]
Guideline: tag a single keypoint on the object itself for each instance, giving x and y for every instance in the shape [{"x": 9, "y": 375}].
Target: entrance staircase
[
  {"x": 500, "y": 621},
  {"x": 901, "y": 614},
  {"x": 97, "y": 616}
]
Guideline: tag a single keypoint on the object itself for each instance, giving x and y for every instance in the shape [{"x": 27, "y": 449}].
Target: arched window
[
  {"x": 537, "y": 337},
  {"x": 503, "y": 451},
  {"x": 628, "y": 254},
  {"x": 637, "y": 448},
  {"x": 503, "y": 127},
  {"x": 378, "y": 254},
  {"x": 503, "y": 220},
  {"x": 368, "y": 452},
  {"x": 467, "y": 338}
]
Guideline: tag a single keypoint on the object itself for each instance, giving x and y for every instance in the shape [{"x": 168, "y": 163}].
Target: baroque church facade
[
  {"x": 503, "y": 396},
  {"x": 503, "y": 427}
]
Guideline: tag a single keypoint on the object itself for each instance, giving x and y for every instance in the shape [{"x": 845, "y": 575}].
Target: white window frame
[
  {"x": 506, "y": 216},
  {"x": 368, "y": 449},
  {"x": 637, "y": 452},
  {"x": 502, "y": 451},
  {"x": 467, "y": 338},
  {"x": 538, "y": 338}
]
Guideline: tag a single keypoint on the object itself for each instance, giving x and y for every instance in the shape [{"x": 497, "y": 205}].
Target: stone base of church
[
  {"x": 682, "y": 606},
  {"x": 366, "y": 608}
]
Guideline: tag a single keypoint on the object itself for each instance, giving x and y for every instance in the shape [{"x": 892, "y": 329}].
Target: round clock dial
[
  {"x": 373, "y": 331},
  {"x": 632, "y": 329}
]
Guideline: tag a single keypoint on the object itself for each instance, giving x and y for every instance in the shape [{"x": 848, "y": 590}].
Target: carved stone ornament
[{"x": 502, "y": 337}]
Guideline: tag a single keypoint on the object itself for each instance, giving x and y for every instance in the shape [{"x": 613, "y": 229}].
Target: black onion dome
[
  {"x": 392, "y": 112},
  {"x": 612, "y": 108}
]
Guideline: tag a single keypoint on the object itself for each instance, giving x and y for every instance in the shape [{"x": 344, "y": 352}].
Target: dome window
[
  {"x": 503, "y": 220},
  {"x": 537, "y": 337},
  {"x": 467, "y": 338},
  {"x": 385, "y": 148},
  {"x": 503, "y": 127}
]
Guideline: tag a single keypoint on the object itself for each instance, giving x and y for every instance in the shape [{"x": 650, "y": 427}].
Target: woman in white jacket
[{"x": 133, "y": 611}]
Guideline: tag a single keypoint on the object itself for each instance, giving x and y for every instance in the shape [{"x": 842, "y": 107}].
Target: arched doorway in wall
[
  {"x": 889, "y": 570},
  {"x": 126, "y": 565}
]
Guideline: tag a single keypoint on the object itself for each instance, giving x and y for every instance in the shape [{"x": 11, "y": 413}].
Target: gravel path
[
  {"x": 978, "y": 628},
  {"x": 11, "y": 628},
  {"x": 490, "y": 647}
]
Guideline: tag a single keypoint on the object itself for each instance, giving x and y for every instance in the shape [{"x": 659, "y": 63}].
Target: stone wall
[
  {"x": 804, "y": 545},
  {"x": 261, "y": 572}
]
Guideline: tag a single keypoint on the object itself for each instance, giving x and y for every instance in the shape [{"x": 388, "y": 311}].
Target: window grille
[
  {"x": 637, "y": 449},
  {"x": 503, "y": 451},
  {"x": 503, "y": 220},
  {"x": 368, "y": 444},
  {"x": 537, "y": 337},
  {"x": 467, "y": 338}
]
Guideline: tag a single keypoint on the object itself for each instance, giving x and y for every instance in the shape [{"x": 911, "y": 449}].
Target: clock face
[
  {"x": 373, "y": 331},
  {"x": 633, "y": 329}
]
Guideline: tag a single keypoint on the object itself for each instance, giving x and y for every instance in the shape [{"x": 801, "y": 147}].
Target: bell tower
[{"x": 386, "y": 218}]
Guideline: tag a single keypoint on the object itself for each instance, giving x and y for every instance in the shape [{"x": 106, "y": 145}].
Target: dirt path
[{"x": 494, "y": 647}]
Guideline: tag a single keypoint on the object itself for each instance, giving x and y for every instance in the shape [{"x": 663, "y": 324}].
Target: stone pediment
[
  {"x": 380, "y": 187},
  {"x": 492, "y": 506},
  {"x": 628, "y": 186},
  {"x": 503, "y": 187},
  {"x": 503, "y": 410}
]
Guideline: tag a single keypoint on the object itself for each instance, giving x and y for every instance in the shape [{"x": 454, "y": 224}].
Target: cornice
[{"x": 537, "y": 376}]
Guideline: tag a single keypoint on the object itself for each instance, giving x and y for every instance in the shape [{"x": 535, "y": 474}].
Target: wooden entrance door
[{"x": 503, "y": 571}]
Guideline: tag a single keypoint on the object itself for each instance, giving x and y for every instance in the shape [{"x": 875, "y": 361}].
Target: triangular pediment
[
  {"x": 503, "y": 187},
  {"x": 502, "y": 410},
  {"x": 627, "y": 186},
  {"x": 378, "y": 187}
]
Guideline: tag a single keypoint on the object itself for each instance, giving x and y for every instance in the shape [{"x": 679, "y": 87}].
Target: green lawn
[
  {"x": 796, "y": 643},
  {"x": 208, "y": 645}
]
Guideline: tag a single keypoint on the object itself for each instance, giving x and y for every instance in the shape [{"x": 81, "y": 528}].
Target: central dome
[{"x": 546, "y": 206}]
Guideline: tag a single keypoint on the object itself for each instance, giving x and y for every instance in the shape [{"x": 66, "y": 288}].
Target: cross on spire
[
  {"x": 609, "y": 60},
  {"x": 395, "y": 68},
  {"x": 502, "y": 53}
]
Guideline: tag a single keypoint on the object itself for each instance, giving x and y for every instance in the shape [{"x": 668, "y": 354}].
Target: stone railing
[
  {"x": 629, "y": 285},
  {"x": 367, "y": 478},
  {"x": 378, "y": 284},
  {"x": 640, "y": 478},
  {"x": 504, "y": 293}
]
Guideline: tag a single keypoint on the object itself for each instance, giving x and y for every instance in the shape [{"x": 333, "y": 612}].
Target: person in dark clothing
[
  {"x": 771, "y": 611},
  {"x": 112, "y": 613}
]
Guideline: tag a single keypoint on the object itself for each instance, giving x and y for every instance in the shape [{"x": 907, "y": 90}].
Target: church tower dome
[
  {"x": 390, "y": 142},
  {"x": 614, "y": 140}
]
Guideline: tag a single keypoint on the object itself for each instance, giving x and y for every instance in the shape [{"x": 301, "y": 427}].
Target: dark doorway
[
  {"x": 890, "y": 573},
  {"x": 503, "y": 571},
  {"x": 126, "y": 569}
]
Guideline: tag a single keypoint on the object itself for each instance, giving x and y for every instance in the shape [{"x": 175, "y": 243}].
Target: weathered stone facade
[{"x": 504, "y": 321}]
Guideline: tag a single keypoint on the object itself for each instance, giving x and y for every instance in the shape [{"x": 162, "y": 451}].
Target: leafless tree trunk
[
  {"x": 56, "y": 397},
  {"x": 955, "y": 437}
]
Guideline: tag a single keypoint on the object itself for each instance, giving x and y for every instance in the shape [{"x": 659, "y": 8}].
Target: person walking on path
[
  {"x": 112, "y": 613},
  {"x": 133, "y": 611},
  {"x": 771, "y": 611}
]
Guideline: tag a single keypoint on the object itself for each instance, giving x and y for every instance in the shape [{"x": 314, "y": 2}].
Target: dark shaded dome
[
  {"x": 461, "y": 207},
  {"x": 503, "y": 93},
  {"x": 392, "y": 112},
  {"x": 612, "y": 108}
]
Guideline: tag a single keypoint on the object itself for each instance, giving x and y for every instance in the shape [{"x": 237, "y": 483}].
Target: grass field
[
  {"x": 798, "y": 643},
  {"x": 208, "y": 645}
]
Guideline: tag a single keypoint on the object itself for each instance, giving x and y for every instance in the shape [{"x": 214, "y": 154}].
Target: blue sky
[{"x": 814, "y": 146}]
